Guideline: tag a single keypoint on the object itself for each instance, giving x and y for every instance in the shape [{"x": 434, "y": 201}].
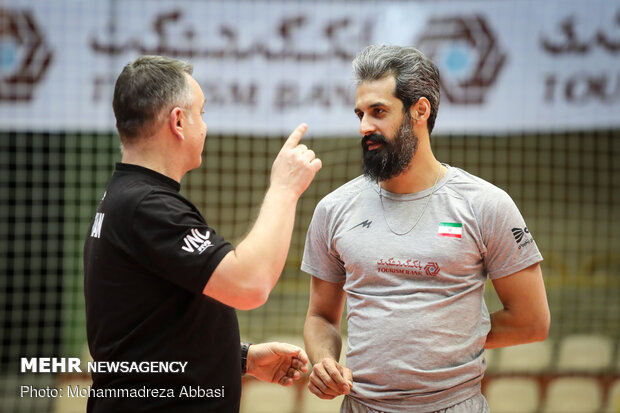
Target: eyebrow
[{"x": 374, "y": 105}]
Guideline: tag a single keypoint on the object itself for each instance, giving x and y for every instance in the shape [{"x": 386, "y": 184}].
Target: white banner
[{"x": 265, "y": 66}]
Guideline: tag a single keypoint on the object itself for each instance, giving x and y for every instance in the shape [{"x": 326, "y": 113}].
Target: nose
[{"x": 366, "y": 126}]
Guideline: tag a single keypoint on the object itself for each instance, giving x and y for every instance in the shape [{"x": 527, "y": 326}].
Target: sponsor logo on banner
[
  {"x": 266, "y": 65},
  {"x": 570, "y": 39},
  {"x": 468, "y": 51},
  {"x": 24, "y": 55}
]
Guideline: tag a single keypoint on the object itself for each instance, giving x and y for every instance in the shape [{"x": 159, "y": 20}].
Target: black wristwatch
[{"x": 244, "y": 357}]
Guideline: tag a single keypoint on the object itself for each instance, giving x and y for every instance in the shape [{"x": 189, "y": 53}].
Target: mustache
[{"x": 374, "y": 138}]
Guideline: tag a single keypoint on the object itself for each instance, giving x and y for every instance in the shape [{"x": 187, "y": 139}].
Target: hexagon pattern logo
[
  {"x": 468, "y": 55},
  {"x": 24, "y": 55},
  {"x": 431, "y": 268}
]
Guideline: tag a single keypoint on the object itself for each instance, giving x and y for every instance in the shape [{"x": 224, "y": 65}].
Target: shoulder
[
  {"x": 138, "y": 197},
  {"x": 471, "y": 188},
  {"x": 334, "y": 206},
  {"x": 169, "y": 204},
  {"x": 125, "y": 194},
  {"x": 346, "y": 193},
  {"x": 491, "y": 207}
]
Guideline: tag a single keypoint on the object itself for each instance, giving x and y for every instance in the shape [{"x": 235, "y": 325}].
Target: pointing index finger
[{"x": 296, "y": 136}]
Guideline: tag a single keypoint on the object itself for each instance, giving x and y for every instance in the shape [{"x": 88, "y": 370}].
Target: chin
[{"x": 196, "y": 164}]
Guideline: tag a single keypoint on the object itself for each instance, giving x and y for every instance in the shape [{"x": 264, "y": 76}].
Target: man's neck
[
  {"x": 421, "y": 174},
  {"x": 158, "y": 161}
]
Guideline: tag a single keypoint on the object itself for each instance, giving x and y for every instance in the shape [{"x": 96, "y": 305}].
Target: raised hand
[{"x": 296, "y": 165}]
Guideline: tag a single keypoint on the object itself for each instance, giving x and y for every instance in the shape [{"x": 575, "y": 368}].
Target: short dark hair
[
  {"x": 146, "y": 87},
  {"x": 416, "y": 76}
]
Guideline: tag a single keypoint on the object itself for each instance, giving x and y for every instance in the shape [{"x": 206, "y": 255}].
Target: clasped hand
[
  {"x": 329, "y": 379},
  {"x": 274, "y": 362}
]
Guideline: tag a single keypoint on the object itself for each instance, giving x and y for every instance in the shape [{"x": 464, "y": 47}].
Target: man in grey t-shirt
[{"x": 409, "y": 245}]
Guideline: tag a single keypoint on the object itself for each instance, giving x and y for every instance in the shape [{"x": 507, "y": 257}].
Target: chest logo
[
  {"x": 195, "y": 241},
  {"x": 431, "y": 268},
  {"x": 363, "y": 224},
  {"x": 407, "y": 267}
]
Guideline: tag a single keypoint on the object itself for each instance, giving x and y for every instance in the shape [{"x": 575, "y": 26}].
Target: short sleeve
[
  {"x": 320, "y": 259},
  {"x": 510, "y": 247},
  {"x": 173, "y": 241}
]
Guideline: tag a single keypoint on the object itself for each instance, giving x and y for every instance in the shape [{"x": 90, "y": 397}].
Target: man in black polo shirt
[{"x": 160, "y": 284}]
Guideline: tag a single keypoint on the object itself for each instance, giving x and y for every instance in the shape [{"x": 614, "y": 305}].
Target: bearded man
[{"x": 409, "y": 246}]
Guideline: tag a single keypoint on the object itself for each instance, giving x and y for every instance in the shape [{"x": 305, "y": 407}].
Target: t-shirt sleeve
[
  {"x": 510, "y": 247},
  {"x": 172, "y": 240},
  {"x": 320, "y": 259}
]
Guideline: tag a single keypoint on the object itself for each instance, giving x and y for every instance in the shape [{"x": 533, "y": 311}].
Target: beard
[{"x": 393, "y": 157}]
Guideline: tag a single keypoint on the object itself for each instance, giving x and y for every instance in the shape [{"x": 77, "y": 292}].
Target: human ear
[
  {"x": 176, "y": 122},
  {"x": 421, "y": 110}
]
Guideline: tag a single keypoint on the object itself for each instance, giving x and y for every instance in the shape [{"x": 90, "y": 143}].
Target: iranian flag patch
[{"x": 450, "y": 229}]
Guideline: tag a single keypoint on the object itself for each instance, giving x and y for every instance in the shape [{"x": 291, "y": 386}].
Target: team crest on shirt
[{"x": 196, "y": 242}]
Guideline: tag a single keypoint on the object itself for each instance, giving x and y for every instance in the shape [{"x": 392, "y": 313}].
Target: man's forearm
[
  {"x": 322, "y": 339},
  {"x": 265, "y": 248},
  {"x": 245, "y": 276},
  {"x": 509, "y": 330}
]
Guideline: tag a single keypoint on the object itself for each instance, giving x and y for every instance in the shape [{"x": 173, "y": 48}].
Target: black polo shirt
[{"x": 147, "y": 257}]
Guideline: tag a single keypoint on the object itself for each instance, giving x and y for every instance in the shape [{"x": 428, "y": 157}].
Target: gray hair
[
  {"x": 416, "y": 76},
  {"x": 145, "y": 89}
]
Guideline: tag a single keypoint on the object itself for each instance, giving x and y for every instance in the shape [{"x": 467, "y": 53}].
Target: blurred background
[{"x": 530, "y": 102}]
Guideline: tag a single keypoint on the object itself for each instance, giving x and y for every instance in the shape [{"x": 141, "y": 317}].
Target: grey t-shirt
[{"x": 417, "y": 321}]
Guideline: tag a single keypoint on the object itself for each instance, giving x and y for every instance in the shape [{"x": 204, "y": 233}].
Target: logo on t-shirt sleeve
[
  {"x": 195, "y": 241},
  {"x": 522, "y": 237},
  {"x": 519, "y": 233}
]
